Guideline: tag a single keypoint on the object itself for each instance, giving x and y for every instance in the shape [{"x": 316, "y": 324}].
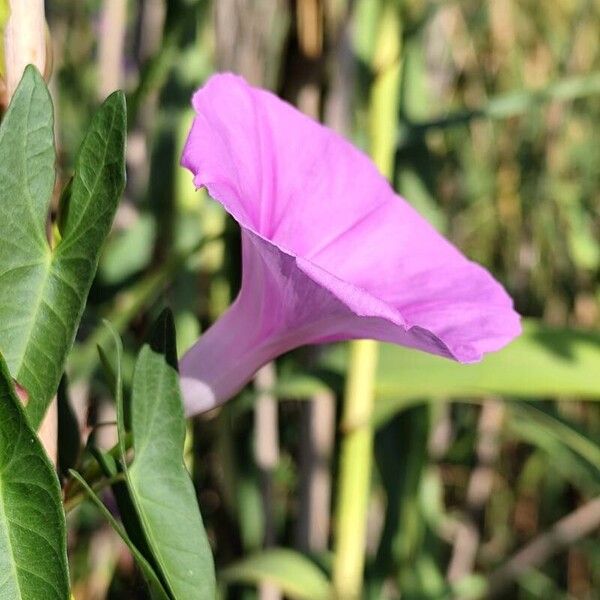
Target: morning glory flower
[{"x": 330, "y": 252}]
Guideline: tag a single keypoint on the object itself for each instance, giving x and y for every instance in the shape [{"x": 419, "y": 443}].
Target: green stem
[
  {"x": 92, "y": 472},
  {"x": 355, "y": 471},
  {"x": 356, "y": 452},
  {"x": 77, "y": 499},
  {"x": 126, "y": 307}
]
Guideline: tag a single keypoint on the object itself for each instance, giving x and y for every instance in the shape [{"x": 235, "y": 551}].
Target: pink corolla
[{"x": 330, "y": 252}]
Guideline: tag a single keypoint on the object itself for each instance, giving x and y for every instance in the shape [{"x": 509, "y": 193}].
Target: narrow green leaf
[
  {"x": 69, "y": 436},
  {"x": 162, "y": 338},
  {"x": 511, "y": 104},
  {"x": 544, "y": 362},
  {"x": 401, "y": 455},
  {"x": 110, "y": 465},
  {"x": 159, "y": 484},
  {"x": 295, "y": 574},
  {"x": 43, "y": 291},
  {"x": 558, "y": 428},
  {"x": 567, "y": 462},
  {"x": 156, "y": 589},
  {"x": 116, "y": 383},
  {"x": 33, "y": 555}
]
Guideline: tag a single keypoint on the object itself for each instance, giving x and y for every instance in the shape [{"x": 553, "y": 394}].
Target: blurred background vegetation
[{"x": 485, "y": 114}]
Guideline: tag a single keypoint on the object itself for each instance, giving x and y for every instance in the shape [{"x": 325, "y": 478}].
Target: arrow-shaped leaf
[
  {"x": 156, "y": 589},
  {"x": 33, "y": 555},
  {"x": 43, "y": 290},
  {"x": 160, "y": 486}
]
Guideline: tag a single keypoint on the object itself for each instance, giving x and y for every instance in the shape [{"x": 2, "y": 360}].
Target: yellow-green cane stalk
[
  {"x": 355, "y": 471},
  {"x": 357, "y": 441},
  {"x": 4, "y": 14}
]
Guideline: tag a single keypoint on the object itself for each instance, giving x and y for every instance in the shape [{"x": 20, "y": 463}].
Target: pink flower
[{"x": 330, "y": 252}]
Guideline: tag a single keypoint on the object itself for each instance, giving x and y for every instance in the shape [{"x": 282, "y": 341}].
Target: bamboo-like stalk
[
  {"x": 266, "y": 443},
  {"x": 355, "y": 470},
  {"x": 317, "y": 414},
  {"x": 357, "y": 443},
  {"x": 266, "y": 452},
  {"x": 110, "y": 46},
  {"x": 318, "y": 433},
  {"x": 24, "y": 43},
  {"x": 244, "y": 37}
]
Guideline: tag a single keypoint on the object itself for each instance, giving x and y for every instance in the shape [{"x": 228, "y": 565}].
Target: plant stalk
[
  {"x": 355, "y": 471},
  {"x": 356, "y": 456},
  {"x": 24, "y": 42}
]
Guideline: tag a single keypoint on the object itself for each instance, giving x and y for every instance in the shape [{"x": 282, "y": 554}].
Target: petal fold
[{"x": 330, "y": 252}]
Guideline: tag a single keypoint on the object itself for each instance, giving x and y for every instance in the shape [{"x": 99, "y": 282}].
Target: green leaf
[
  {"x": 295, "y": 574},
  {"x": 162, "y": 338},
  {"x": 129, "y": 251},
  {"x": 544, "y": 362},
  {"x": 401, "y": 455},
  {"x": 109, "y": 465},
  {"x": 511, "y": 104},
  {"x": 116, "y": 383},
  {"x": 566, "y": 458},
  {"x": 69, "y": 436},
  {"x": 159, "y": 484},
  {"x": 554, "y": 427},
  {"x": 33, "y": 554},
  {"x": 157, "y": 591},
  {"x": 43, "y": 290}
]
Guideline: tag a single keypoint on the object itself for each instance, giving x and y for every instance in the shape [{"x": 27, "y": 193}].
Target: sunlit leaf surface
[
  {"x": 158, "y": 481},
  {"x": 33, "y": 555},
  {"x": 293, "y": 573},
  {"x": 42, "y": 289}
]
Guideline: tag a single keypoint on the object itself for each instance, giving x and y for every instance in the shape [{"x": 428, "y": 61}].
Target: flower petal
[{"x": 330, "y": 252}]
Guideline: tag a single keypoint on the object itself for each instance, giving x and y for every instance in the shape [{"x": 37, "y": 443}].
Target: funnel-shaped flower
[{"x": 330, "y": 252}]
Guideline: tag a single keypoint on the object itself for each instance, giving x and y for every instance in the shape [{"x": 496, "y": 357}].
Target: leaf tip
[
  {"x": 162, "y": 337},
  {"x": 117, "y": 102}
]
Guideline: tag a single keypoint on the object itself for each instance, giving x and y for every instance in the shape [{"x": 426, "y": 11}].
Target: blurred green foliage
[{"x": 499, "y": 117}]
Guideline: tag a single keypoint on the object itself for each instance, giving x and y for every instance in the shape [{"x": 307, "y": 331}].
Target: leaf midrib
[
  {"x": 34, "y": 314},
  {"x": 26, "y": 160},
  {"x": 92, "y": 191},
  {"x": 53, "y": 258},
  {"x": 148, "y": 530},
  {"x": 46, "y": 259}
]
